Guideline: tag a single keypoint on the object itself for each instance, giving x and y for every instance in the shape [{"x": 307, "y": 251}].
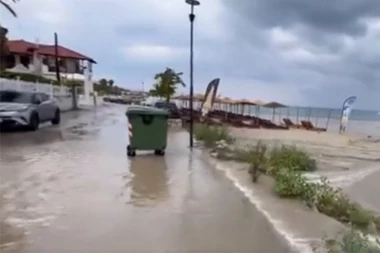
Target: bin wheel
[
  {"x": 130, "y": 151},
  {"x": 160, "y": 152}
]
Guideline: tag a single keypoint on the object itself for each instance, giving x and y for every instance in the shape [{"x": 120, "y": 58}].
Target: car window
[
  {"x": 44, "y": 96},
  {"x": 16, "y": 97},
  {"x": 37, "y": 97}
]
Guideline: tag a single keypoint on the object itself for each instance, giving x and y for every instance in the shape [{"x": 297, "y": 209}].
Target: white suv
[{"x": 28, "y": 109}]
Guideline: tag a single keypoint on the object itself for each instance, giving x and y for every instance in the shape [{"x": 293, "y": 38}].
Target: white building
[{"x": 39, "y": 59}]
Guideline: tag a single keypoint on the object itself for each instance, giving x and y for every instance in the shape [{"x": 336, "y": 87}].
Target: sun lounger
[
  {"x": 270, "y": 125},
  {"x": 214, "y": 121},
  {"x": 288, "y": 122},
  {"x": 240, "y": 123},
  {"x": 309, "y": 126}
]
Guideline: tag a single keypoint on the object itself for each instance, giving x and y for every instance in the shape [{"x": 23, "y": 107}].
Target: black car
[{"x": 171, "y": 107}]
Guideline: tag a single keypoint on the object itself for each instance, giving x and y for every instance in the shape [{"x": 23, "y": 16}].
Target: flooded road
[{"x": 73, "y": 189}]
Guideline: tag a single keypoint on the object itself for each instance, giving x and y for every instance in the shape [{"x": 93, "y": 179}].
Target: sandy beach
[{"x": 347, "y": 161}]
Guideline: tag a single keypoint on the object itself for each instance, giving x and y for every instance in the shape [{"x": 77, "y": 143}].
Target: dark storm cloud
[
  {"x": 323, "y": 29},
  {"x": 336, "y": 16}
]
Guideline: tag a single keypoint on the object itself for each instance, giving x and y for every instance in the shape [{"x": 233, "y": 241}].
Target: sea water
[{"x": 361, "y": 122}]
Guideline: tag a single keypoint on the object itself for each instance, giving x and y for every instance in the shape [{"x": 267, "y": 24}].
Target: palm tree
[
  {"x": 8, "y": 7},
  {"x": 166, "y": 84}
]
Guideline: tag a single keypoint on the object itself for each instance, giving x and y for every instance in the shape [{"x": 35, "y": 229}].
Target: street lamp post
[{"x": 192, "y": 3}]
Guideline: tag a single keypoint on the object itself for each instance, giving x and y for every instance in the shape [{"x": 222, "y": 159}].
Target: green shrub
[
  {"x": 290, "y": 158},
  {"x": 332, "y": 202},
  {"x": 210, "y": 135},
  {"x": 352, "y": 242},
  {"x": 376, "y": 221},
  {"x": 289, "y": 184},
  {"x": 359, "y": 217},
  {"x": 241, "y": 154},
  {"x": 256, "y": 157}
]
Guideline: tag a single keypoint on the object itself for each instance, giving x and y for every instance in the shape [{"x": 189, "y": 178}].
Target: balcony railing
[{"x": 63, "y": 70}]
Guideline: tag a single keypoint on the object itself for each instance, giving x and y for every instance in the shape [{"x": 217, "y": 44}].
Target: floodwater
[{"x": 73, "y": 189}]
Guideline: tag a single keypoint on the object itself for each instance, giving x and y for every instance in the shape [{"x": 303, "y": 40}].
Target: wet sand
[
  {"x": 303, "y": 228},
  {"x": 349, "y": 162},
  {"x": 73, "y": 189}
]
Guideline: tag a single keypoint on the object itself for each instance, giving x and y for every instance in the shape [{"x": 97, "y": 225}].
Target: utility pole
[{"x": 57, "y": 70}]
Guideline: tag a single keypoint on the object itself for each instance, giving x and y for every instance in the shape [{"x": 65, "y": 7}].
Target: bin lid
[{"x": 145, "y": 110}]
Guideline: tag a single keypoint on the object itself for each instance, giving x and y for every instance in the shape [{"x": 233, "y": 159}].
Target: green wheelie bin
[{"x": 147, "y": 129}]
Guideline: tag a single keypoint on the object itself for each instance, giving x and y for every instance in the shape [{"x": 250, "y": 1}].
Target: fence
[{"x": 18, "y": 85}]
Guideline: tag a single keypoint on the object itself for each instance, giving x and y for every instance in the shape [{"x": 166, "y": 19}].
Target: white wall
[
  {"x": 65, "y": 103},
  {"x": 61, "y": 93},
  {"x": 7, "y": 84}
]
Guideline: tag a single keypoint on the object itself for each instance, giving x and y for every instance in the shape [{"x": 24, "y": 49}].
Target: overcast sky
[{"x": 293, "y": 51}]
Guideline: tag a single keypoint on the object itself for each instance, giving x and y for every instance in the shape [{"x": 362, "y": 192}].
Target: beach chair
[
  {"x": 214, "y": 121},
  {"x": 250, "y": 124},
  {"x": 289, "y": 123},
  {"x": 309, "y": 126},
  {"x": 270, "y": 125}
]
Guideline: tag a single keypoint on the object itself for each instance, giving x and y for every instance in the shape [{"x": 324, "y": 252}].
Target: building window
[
  {"x": 10, "y": 61},
  {"x": 45, "y": 61},
  {"x": 25, "y": 60}
]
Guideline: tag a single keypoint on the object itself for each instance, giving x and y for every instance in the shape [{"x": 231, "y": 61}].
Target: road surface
[{"x": 73, "y": 189}]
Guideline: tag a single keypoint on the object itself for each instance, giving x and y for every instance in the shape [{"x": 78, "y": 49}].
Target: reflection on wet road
[{"x": 73, "y": 189}]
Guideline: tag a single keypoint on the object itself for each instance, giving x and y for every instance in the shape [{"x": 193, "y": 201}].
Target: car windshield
[
  {"x": 15, "y": 97},
  {"x": 165, "y": 105}
]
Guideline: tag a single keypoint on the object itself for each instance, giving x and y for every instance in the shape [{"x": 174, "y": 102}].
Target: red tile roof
[{"x": 25, "y": 47}]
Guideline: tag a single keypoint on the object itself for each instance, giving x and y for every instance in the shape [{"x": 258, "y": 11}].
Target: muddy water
[{"x": 72, "y": 189}]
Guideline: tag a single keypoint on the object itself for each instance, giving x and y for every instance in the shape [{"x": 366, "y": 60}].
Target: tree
[
  {"x": 108, "y": 87},
  {"x": 8, "y": 7},
  {"x": 166, "y": 84},
  {"x": 103, "y": 82},
  {"x": 3, "y": 36}
]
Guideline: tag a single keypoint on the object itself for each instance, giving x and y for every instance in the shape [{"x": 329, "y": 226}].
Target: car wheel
[
  {"x": 159, "y": 152},
  {"x": 34, "y": 122},
  {"x": 57, "y": 118}
]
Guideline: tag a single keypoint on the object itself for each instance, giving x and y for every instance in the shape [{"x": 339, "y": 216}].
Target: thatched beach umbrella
[
  {"x": 274, "y": 105},
  {"x": 243, "y": 103},
  {"x": 218, "y": 101},
  {"x": 185, "y": 100},
  {"x": 227, "y": 102},
  {"x": 180, "y": 98},
  {"x": 258, "y": 103},
  {"x": 198, "y": 99}
]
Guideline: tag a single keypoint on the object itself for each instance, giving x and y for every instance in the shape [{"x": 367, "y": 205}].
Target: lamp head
[{"x": 193, "y": 2}]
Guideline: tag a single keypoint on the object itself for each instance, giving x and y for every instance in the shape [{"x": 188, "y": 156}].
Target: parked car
[
  {"x": 28, "y": 109},
  {"x": 171, "y": 107}
]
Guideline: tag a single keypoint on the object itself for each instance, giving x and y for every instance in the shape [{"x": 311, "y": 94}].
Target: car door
[
  {"x": 41, "y": 108},
  {"x": 49, "y": 106}
]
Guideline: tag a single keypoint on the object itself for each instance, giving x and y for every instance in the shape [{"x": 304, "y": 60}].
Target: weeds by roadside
[
  {"x": 286, "y": 165},
  {"x": 352, "y": 242},
  {"x": 210, "y": 135},
  {"x": 290, "y": 158}
]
